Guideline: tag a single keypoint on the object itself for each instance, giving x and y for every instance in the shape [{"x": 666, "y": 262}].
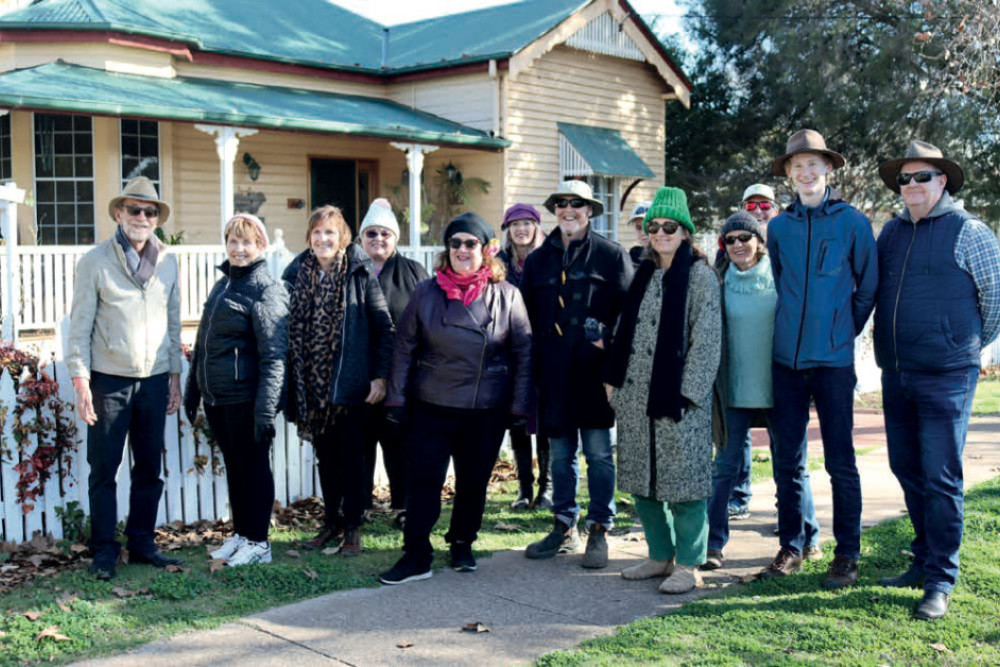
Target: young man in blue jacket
[{"x": 826, "y": 273}]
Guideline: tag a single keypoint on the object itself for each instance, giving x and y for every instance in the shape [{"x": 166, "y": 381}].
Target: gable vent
[{"x": 602, "y": 36}]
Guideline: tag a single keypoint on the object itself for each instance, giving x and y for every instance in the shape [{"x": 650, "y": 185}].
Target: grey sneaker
[
  {"x": 596, "y": 555},
  {"x": 563, "y": 539}
]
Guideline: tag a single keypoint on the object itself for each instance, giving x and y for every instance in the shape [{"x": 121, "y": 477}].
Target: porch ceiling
[
  {"x": 605, "y": 151},
  {"x": 60, "y": 86}
]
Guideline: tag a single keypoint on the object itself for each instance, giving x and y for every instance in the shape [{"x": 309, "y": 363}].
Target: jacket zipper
[
  {"x": 805, "y": 291},
  {"x": 208, "y": 333},
  {"x": 899, "y": 292},
  {"x": 236, "y": 363}
]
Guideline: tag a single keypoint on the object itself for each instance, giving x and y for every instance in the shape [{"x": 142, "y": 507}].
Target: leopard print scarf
[{"x": 314, "y": 332}]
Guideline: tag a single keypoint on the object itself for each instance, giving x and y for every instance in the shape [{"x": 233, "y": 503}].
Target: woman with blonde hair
[
  {"x": 340, "y": 343},
  {"x": 461, "y": 372}
]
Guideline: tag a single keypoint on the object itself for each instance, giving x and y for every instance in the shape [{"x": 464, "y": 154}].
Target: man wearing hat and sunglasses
[
  {"x": 938, "y": 305},
  {"x": 825, "y": 270},
  {"x": 125, "y": 360},
  {"x": 573, "y": 287}
]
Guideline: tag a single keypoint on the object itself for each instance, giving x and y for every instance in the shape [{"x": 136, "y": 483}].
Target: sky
[{"x": 391, "y": 12}]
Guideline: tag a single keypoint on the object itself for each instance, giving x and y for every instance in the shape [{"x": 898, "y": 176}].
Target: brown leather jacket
[{"x": 471, "y": 358}]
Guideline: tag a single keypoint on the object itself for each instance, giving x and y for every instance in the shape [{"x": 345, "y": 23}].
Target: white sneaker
[
  {"x": 250, "y": 553},
  {"x": 229, "y": 547}
]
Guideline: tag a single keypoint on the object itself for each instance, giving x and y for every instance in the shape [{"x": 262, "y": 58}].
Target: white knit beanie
[{"x": 380, "y": 215}]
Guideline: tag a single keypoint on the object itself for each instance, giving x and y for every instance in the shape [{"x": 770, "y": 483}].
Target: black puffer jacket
[
  {"x": 366, "y": 343},
  {"x": 398, "y": 278},
  {"x": 239, "y": 352}
]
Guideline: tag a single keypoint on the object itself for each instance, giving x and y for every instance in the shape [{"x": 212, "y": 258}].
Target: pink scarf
[{"x": 463, "y": 288}]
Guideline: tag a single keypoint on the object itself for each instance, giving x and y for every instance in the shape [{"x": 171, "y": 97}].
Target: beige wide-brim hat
[
  {"x": 143, "y": 189},
  {"x": 923, "y": 152},
  {"x": 575, "y": 190},
  {"x": 806, "y": 141}
]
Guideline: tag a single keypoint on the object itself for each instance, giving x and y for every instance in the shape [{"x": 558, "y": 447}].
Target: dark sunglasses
[
  {"x": 743, "y": 238},
  {"x": 150, "y": 211},
  {"x": 378, "y": 233},
  {"x": 575, "y": 203},
  {"x": 762, "y": 205},
  {"x": 919, "y": 177},
  {"x": 469, "y": 244},
  {"x": 668, "y": 227}
]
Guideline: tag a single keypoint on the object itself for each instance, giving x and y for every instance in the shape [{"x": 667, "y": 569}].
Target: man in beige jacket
[{"x": 125, "y": 360}]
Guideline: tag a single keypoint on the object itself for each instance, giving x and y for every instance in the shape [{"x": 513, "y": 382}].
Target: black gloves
[
  {"x": 191, "y": 402},
  {"x": 264, "y": 431}
]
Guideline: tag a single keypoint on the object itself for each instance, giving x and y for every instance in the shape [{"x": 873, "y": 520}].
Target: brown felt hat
[
  {"x": 141, "y": 188},
  {"x": 806, "y": 141},
  {"x": 924, "y": 152}
]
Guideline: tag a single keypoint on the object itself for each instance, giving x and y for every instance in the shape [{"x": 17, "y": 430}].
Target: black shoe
[
  {"x": 563, "y": 539},
  {"x": 404, "y": 571},
  {"x": 154, "y": 558},
  {"x": 843, "y": 572},
  {"x": 543, "y": 501},
  {"x": 912, "y": 578},
  {"x": 103, "y": 568},
  {"x": 462, "y": 559},
  {"x": 934, "y": 605},
  {"x": 523, "y": 501}
]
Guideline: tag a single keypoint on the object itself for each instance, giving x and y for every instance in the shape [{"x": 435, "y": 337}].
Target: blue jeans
[
  {"x": 926, "y": 421},
  {"x": 742, "y": 491},
  {"x": 832, "y": 390},
  {"x": 731, "y": 464},
  {"x": 600, "y": 477}
]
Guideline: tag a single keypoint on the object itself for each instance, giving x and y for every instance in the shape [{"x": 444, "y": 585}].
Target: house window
[
  {"x": 140, "y": 150},
  {"x": 605, "y": 191},
  {"x": 64, "y": 179},
  {"x": 5, "y": 169}
]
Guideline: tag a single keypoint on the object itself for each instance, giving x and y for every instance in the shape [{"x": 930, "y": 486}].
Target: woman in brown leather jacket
[{"x": 461, "y": 370}]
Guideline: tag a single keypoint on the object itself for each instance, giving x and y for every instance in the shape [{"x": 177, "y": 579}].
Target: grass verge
[
  {"x": 987, "y": 400},
  {"x": 93, "y": 618},
  {"x": 793, "y": 621}
]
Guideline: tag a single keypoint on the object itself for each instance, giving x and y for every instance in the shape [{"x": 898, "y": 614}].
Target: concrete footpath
[{"x": 530, "y": 607}]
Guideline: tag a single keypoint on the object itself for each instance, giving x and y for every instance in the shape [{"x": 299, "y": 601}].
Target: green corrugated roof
[
  {"x": 606, "y": 151},
  {"x": 62, "y": 87},
  {"x": 309, "y": 32}
]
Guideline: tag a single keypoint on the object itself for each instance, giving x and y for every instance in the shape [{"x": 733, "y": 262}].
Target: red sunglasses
[{"x": 763, "y": 205}]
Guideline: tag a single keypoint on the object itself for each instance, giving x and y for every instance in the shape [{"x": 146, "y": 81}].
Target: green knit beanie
[{"x": 669, "y": 203}]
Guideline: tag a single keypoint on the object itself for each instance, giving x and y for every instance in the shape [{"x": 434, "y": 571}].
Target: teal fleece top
[{"x": 750, "y": 300}]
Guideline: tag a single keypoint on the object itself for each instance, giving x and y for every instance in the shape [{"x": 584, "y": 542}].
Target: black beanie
[
  {"x": 470, "y": 223},
  {"x": 742, "y": 222}
]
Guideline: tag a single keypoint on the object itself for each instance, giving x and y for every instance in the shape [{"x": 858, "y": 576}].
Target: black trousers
[
  {"x": 137, "y": 408},
  {"x": 248, "y": 468},
  {"x": 520, "y": 444},
  {"x": 472, "y": 439},
  {"x": 341, "y": 454},
  {"x": 390, "y": 436}
]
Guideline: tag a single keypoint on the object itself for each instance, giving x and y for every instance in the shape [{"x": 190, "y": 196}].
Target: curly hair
[{"x": 324, "y": 213}]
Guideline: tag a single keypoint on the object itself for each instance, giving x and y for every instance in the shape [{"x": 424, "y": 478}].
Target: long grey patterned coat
[{"x": 682, "y": 450}]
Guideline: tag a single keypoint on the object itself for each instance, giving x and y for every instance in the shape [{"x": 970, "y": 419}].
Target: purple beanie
[{"x": 520, "y": 212}]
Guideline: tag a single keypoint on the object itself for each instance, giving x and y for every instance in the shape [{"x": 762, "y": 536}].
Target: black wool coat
[
  {"x": 561, "y": 289},
  {"x": 398, "y": 278}
]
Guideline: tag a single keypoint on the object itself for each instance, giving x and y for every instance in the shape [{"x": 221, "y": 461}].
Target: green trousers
[{"x": 674, "y": 530}]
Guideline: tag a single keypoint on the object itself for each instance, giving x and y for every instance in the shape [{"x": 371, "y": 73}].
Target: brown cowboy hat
[
  {"x": 141, "y": 188},
  {"x": 924, "y": 152},
  {"x": 806, "y": 141}
]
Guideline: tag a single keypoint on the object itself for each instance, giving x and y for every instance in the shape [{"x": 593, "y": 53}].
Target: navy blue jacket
[
  {"x": 826, "y": 274},
  {"x": 927, "y": 317}
]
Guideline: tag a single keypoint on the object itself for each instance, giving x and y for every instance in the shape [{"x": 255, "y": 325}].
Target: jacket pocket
[{"x": 830, "y": 257}]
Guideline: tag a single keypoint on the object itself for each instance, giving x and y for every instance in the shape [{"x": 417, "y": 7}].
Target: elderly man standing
[
  {"x": 125, "y": 360},
  {"x": 826, "y": 273},
  {"x": 574, "y": 286},
  {"x": 938, "y": 305}
]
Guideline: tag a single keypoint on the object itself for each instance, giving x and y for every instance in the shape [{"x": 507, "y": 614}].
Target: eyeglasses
[
  {"x": 919, "y": 177},
  {"x": 668, "y": 227},
  {"x": 743, "y": 238},
  {"x": 762, "y": 205},
  {"x": 470, "y": 244},
  {"x": 150, "y": 211},
  {"x": 378, "y": 233},
  {"x": 575, "y": 203}
]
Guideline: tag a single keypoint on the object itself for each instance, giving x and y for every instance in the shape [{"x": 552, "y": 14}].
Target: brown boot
[
  {"x": 843, "y": 572},
  {"x": 325, "y": 536},
  {"x": 784, "y": 564},
  {"x": 352, "y": 543}
]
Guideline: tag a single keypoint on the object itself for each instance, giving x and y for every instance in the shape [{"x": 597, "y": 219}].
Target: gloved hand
[
  {"x": 191, "y": 402},
  {"x": 264, "y": 431}
]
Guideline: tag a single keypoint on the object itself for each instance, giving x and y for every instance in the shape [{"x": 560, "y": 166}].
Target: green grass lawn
[
  {"x": 793, "y": 621},
  {"x": 144, "y": 603},
  {"x": 987, "y": 400}
]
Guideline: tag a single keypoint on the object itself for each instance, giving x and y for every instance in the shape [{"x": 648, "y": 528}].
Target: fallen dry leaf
[
  {"x": 36, "y": 560},
  {"x": 506, "y": 527},
  {"x": 940, "y": 648},
  {"x": 78, "y": 548},
  {"x": 292, "y": 553},
  {"x": 748, "y": 578},
  {"x": 32, "y": 615},
  {"x": 404, "y": 644},
  {"x": 52, "y": 632},
  {"x": 216, "y": 565},
  {"x": 311, "y": 573},
  {"x": 329, "y": 551},
  {"x": 65, "y": 601},
  {"x": 177, "y": 568},
  {"x": 122, "y": 593},
  {"x": 475, "y": 627}
]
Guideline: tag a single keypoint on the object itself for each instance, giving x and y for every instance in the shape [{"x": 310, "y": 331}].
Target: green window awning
[
  {"x": 602, "y": 151},
  {"x": 60, "y": 86}
]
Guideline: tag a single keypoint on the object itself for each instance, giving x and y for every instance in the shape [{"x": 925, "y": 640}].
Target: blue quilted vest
[{"x": 927, "y": 310}]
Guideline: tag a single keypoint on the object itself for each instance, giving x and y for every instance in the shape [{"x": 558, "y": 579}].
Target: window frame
[{"x": 56, "y": 203}]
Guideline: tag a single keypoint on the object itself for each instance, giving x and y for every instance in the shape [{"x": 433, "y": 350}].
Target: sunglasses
[
  {"x": 378, "y": 233},
  {"x": 668, "y": 227},
  {"x": 470, "y": 244},
  {"x": 150, "y": 211},
  {"x": 919, "y": 177},
  {"x": 575, "y": 203},
  {"x": 743, "y": 238},
  {"x": 762, "y": 205}
]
